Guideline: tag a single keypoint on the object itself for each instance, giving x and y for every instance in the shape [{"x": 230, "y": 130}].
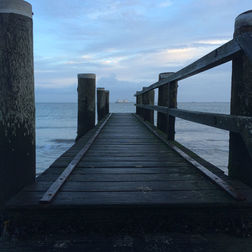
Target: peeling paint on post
[
  {"x": 17, "y": 109},
  {"x": 86, "y": 103},
  {"x": 240, "y": 163},
  {"x": 101, "y": 103}
]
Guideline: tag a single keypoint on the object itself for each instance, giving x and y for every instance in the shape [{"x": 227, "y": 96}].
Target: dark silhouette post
[
  {"x": 163, "y": 100},
  {"x": 240, "y": 163},
  {"x": 101, "y": 103},
  {"x": 173, "y": 90},
  {"x": 86, "y": 103},
  {"x": 148, "y": 99},
  {"x": 138, "y": 102},
  {"x": 17, "y": 108},
  {"x": 107, "y": 102}
]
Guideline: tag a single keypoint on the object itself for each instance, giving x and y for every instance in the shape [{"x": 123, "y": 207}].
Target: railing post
[
  {"x": 148, "y": 99},
  {"x": 107, "y": 102},
  {"x": 17, "y": 106},
  {"x": 140, "y": 101},
  {"x": 137, "y": 102},
  {"x": 240, "y": 163},
  {"x": 101, "y": 103},
  {"x": 163, "y": 100},
  {"x": 173, "y": 90},
  {"x": 167, "y": 96},
  {"x": 86, "y": 103}
]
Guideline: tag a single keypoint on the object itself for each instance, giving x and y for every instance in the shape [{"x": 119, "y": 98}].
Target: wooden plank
[
  {"x": 148, "y": 158},
  {"x": 136, "y": 164},
  {"x": 127, "y": 141},
  {"x": 221, "y": 121},
  {"x": 217, "y": 57},
  {"x": 169, "y": 199},
  {"x": 227, "y": 187},
  {"x": 54, "y": 188},
  {"x": 132, "y": 153},
  {"x": 125, "y": 177},
  {"x": 144, "y": 186},
  {"x": 129, "y": 148},
  {"x": 122, "y": 171},
  {"x": 121, "y": 164}
]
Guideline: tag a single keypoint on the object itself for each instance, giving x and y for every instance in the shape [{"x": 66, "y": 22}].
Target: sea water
[{"x": 56, "y": 127}]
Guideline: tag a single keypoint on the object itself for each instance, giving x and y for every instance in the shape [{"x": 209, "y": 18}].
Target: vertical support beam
[
  {"x": 107, "y": 102},
  {"x": 140, "y": 101},
  {"x": 137, "y": 102},
  {"x": 173, "y": 91},
  {"x": 17, "y": 106},
  {"x": 148, "y": 99},
  {"x": 101, "y": 103},
  {"x": 240, "y": 163},
  {"x": 163, "y": 100},
  {"x": 86, "y": 103}
]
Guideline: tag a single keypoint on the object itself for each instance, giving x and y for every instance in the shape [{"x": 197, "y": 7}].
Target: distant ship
[{"x": 122, "y": 101}]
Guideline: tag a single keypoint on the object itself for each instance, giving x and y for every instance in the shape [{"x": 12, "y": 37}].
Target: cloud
[
  {"x": 213, "y": 41},
  {"x": 132, "y": 40},
  {"x": 165, "y": 4}
]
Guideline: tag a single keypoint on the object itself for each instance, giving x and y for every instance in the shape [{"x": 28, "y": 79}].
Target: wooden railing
[{"x": 239, "y": 123}]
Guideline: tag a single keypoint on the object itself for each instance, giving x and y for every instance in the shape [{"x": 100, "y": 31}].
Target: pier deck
[{"x": 127, "y": 166}]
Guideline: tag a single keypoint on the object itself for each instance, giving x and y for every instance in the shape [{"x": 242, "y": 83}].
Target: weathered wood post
[
  {"x": 148, "y": 99},
  {"x": 168, "y": 97},
  {"x": 86, "y": 103},
  {"x": 101, "y": 103},
  {"x": 139, "y": 100},
  {"x": 173, "y": 91},
  {"x": 17, "y": 108},
  {"x": 240, "y": 163},
  {"x": 163, "y": 100},
  {"x": 107, "y": 102},
  {"x": 137, "y": 103}
]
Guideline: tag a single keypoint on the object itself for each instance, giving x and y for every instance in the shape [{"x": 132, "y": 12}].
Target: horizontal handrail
[
  {"x": 221, "y": 121},
  {"x": 217, "y": 57},
  {"x": 239, "y": 51}
]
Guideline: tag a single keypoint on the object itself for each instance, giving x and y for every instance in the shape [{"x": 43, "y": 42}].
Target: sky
[{"x": 127, "y": 43}]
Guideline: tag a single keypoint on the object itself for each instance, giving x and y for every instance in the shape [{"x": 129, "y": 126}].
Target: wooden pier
[
  {"x": 129, "y": 167},
  {"x": 125, "y": 171}
]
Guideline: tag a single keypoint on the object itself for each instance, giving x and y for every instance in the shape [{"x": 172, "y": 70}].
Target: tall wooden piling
[
  {"x": 101, "y": 103},
  {"x": 17, "y": 109},
  {"x": 106, "y": 102},
  {"x": 240, "y": 163},
  {"x": 86, "y": 103},
  {"x": 163, "y": 100},
  {"x": 148, "y": 99}
]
